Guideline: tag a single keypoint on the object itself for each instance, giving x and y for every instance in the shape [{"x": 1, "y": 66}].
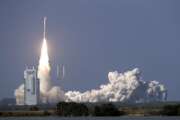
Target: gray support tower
[{"x": 31, "y": 87}]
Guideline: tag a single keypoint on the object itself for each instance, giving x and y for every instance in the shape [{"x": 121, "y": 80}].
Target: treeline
[
  {"x": 94, "y": 109},
  {"x": 80, "y": 109},
  {"x": 171, "y": 110},
  {"x": 109, "y": 109}
]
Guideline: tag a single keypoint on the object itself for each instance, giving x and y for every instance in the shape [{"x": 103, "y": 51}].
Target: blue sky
[{"x": 91, "y": 38}]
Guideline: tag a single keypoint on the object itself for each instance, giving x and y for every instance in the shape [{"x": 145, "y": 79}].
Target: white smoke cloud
[
  {"x": 123, "y": 87},
  {"x": 56, "y": 94},
  {"x": 19, "y": 93}
]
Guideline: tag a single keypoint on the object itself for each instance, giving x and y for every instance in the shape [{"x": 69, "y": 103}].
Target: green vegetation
[
  {"x": 171, "y": 110},
  {"x": 94, "y": 109},
  {"x": 72, "y": 109},
  {"x": 34, "y": 108},
  {"x": 107, "y": 110},
  {"x": 80, "y": 109}
]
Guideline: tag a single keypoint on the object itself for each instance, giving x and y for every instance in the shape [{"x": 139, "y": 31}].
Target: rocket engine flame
[
  {"x": 44, "y": 58},
  {"x": 44, "y": 69}
]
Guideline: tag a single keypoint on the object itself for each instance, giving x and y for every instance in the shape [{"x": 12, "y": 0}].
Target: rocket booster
[{"x": 44, "y": 33}]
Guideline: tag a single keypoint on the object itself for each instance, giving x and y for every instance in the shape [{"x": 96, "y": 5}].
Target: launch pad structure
[{"x": 31, "y": 87}]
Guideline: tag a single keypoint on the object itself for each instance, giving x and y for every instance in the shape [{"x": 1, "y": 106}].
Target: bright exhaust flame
[
  {"x": 44, "y": 69},
  {"x": 44, "y": 58}
]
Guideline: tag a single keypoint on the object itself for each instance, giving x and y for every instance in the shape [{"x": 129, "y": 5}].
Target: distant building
[{"x": 31, "y": 87}]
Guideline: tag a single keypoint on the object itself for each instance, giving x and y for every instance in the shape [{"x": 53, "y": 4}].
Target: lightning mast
[{"x": 60, "y": 72}]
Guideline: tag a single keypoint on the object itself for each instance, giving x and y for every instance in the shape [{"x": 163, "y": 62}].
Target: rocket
[{"x": 44, "y": 33}]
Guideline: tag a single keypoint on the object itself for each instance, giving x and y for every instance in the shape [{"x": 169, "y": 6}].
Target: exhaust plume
[{"x": 44, "y": 69}]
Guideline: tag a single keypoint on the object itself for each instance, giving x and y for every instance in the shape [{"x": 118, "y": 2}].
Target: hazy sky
[{"x": 91, "y": 38}]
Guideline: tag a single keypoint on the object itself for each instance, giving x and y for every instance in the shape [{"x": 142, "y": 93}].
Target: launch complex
[
  {"x": 121, "y": 87},
  {"x": 31, "y": 78}
]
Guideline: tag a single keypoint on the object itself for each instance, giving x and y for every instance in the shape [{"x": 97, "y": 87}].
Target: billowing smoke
[
  {"x": 19, "y": 93},
  {"x": 123, "y": 87}
]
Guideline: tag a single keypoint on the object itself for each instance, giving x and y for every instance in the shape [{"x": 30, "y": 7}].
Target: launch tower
[{"x": 31, "y": 87}]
